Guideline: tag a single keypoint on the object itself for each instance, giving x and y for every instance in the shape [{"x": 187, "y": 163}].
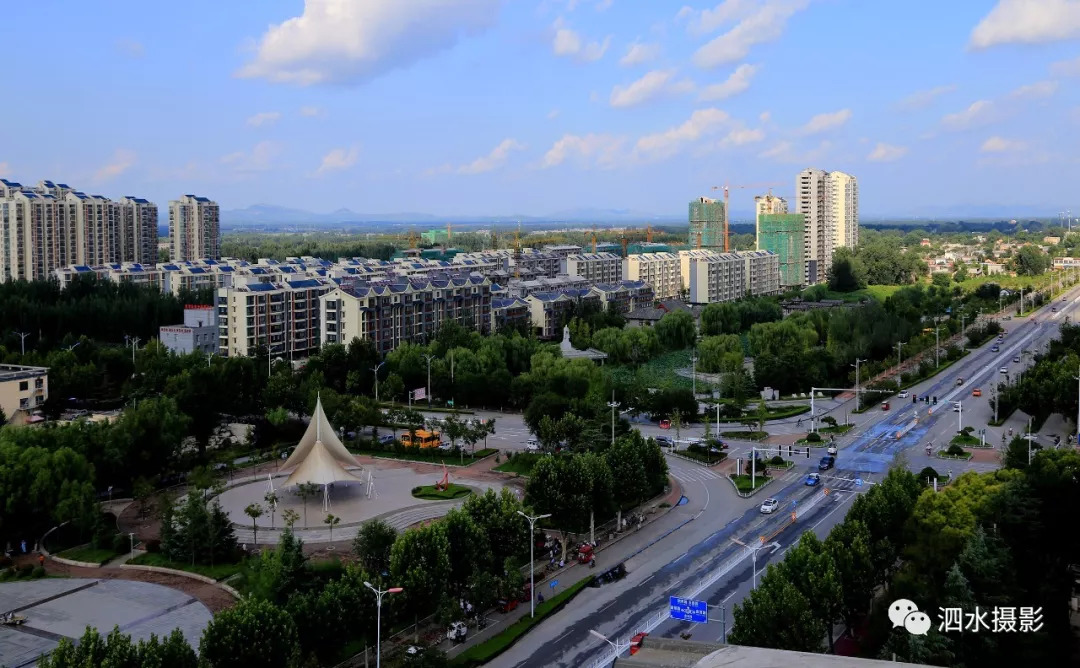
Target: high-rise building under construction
[
  {"x": 706, "y": 223},
  {"x": 783, "y": 234}
]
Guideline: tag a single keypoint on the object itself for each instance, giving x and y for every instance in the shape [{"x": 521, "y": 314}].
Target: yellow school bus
[{"x": 424, "y": 439}]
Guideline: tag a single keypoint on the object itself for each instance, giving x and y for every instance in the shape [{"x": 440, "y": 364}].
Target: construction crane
[
  {"x": 413, "y": 238},
  {"x": 727, "y": 207},
  {"x": 448, "y": 235},
  {"x": 517, "y": 252},
  {"x": 648, "y": 234},
  {"x": 494, "y": 239}
]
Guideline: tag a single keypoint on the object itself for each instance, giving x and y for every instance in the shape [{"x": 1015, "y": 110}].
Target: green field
[
  {"x": 522, "y": 464},
  {"x": 217, "y": 571}
]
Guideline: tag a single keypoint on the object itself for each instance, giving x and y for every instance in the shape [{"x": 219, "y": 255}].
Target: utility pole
[
  {"x": 532, "y": 561},
  {"x": 376, "y": 370},
  {"x": 693, "y": 373},
  {"x": 613, "y": 405},
  {"x": 23, "y": 335},
  {"x": 858, "y": 403},
  {"x": 428, "y": 357},
  {"x": 937, "y": 343},
  {"x": 959, "y": 417},
  {"x": 996, "y": 406},
  {"x": 899, "y": 361},
  {"x": 134, "y": 345}
]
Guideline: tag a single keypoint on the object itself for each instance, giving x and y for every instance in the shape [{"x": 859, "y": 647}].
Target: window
[{"x": 24, "y": 385}]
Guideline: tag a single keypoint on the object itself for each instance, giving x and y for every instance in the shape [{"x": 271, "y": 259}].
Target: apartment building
[
  {"x": 830, "y": 203},
  {"x": 844, "y": 208},
  {"x": 765, "y": 205},
  {"x": 52, "y": 225},
  {"x": 404, "y": 310},
  {"x": 524, "y": 288},
  {"x": 784, "y": 234},
  {"x": 660, "y": 270},
  {"x": 593, "y": 267},
  {"x": 550, "y": 311},
  {"x": 284, "y": 316},
  {"x": 509, "y": 313},
  {"x": 126, "y": 272},
  {"x": 706, "y": 223},
  {"x": 194, "y": 229},
  {"x": 198, "y": 333},
  {"x": 22, "y": 389},
  {"x": 625, "y": 296},
  {"x": 711, "y": 276}
]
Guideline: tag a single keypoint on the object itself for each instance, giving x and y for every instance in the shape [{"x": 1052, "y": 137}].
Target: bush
[
  {"x": 955, "y": 451},
  {"x": 121, "y": 543},
  {"x": 37, "y": 573},
  {"x": 928, "y": 472},
  {"x": 777, "y": 460},
  {"x": 24, "y": 571},
  {"x": 967, "y": 430},
  {"x": 7, "y": 574},
  {"x": 152, "y": 545},
  {"x": 5, "y": 561},
  {"x": 813, "y": 437}
]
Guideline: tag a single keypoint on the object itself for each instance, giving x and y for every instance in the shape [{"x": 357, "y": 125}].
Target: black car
[
  {"x": 664, "y": 440},
  {"x": 826, "y": 463}
]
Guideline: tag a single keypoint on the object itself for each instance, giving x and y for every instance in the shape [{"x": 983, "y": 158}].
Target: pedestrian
[
  {"x": 24, "y": 546},
  {"x": 41, "y": 560}
]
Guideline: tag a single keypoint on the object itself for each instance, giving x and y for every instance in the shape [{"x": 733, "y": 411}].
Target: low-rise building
[
  {"x": 720, "y": 277},
  {"x": 283, "y": 317},
  {"x": 509, "y": 313},
  {"x": 404, "y": 310},
  {"x": 22, "y": 390},
  {"x": 624, "y": 296},
  {"x": 550, "y": 311},
  {"x": 594, "y": 267},
  {"x": 198, "y": 333},
  {"x": 660, "y": 270}
]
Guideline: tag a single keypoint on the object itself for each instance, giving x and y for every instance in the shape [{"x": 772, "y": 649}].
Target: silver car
[{"x": 769, "y": 506}]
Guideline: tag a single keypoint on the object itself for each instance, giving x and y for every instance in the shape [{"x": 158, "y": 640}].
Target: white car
[
  {"x": 769, "y": 506},
  {"x": 1004, "y": 370},
  {"x": 831, "y": 450},
  {"x": 902, "y": 395},
  {"x": 532, "y": 445},
  {"x": 956, "y": 407}
]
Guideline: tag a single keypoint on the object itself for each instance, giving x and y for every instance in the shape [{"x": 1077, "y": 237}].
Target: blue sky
[{"x": 459, "y": 107}]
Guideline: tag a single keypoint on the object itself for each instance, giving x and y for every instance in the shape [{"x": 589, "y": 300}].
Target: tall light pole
[
  {"x": 754, "y": 550},
  {"x": 375, "y": 369},
  {"x": 937, "y": 343},
  {"x": 134, "y": 345},
  {"x": 603, "y": 637},
  {"x": 74, "y": 346},
  {"x": 379, "y": 593},
  {"x": 693, "y": 373},
  {"x": 858, "y": 404},
  {"x": 23, "y": 335},
  {"x": 959, "y": 417},
  {"x": 429, "y": 358},
  {"x": 613, "y": 405},
  {"x": 532, "y": 561},
  {"x": 899, "y": 362}
]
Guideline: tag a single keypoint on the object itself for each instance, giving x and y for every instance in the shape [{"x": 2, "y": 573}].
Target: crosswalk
[{"x": 699, "y": 473}]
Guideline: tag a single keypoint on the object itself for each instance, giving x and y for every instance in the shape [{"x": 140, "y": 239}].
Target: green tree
[
  {"x": 118, "y": 651},
  {"x": 849, "y": 545},
  {"x": 252, "y": 634},
  {"x": 497, "y": 515},
  {"x": 626, "y": 459},
  {"x": 1030, "y": 261},
  {"x": 561, "y": 487},
  {"x": 847, "y": 273},
  {"x": 254, "y": 511},
  {"x": 469, "y": 550},
  {"x": 331, "y": 521},
  {"x": 676, "y": 330},
  {"x": 776, "y": 615},
  {"x": 372, "y": 546},
  {"x": 275, "y": 575},
  {"x": 420, "y": 562},
  {"x": 723, "y": 353},
  {"x": 305, "y": 491},
  {"x": 289, "y": 517},
  {"x": 811, "y": 568}
]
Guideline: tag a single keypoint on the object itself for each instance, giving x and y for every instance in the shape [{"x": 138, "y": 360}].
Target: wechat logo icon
[{"x": 905, "y": 613}]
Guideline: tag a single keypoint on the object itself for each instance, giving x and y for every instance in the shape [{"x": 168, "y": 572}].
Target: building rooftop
[
  {"x": 9, "y": 372},
  {"x": 675, "y": 653}
]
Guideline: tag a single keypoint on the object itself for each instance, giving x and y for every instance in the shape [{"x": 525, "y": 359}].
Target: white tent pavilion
[{"x": 320, "y": 457}]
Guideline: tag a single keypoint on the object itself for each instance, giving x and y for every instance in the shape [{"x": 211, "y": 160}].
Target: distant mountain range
[{"x": 266, "y": 214}]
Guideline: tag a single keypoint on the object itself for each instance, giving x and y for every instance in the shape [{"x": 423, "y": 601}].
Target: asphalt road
[{"x": 702, "y": 561}]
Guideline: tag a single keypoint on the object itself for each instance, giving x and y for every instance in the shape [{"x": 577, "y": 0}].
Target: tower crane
[{"x": 727, "y": 207}]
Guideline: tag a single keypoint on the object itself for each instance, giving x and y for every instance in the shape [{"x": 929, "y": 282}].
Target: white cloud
[
  {"x": 344, "y": 41},
  {"x": 600, "y": 150},
  {"x": 492, "y": 160},
  {"x": 786, "y": 152},
  {"x": 997, "y": 144},
  {"x": 828, "y": 121},
  {"x": 666, "y": 144},
  {"x": 709, "y": 20},
  {"x": 122, "y": 161},
  {"x": 765, "y": 116},
  {"x": 259, "y": 159},
  {"x": 310, "y": 112},
  {"x": 977, "y": 114},
  {"x": 743, "y": 136},
  {"x": 1066, "y": 68},
  {"x": 924, "y": 98},
  {"x": 1027, "y": 22},
  {"x": 654, "y": 84},
  {"x": 639, "y": 54},
  {"x": 263, "y": 118},
  {"x": 886, "y": 153},
  {"x": 765, "y": 23},
  {"x": 604, "y": 5},
  {"x": 1037, "y": 89},
  {"x": 738, "y": 82},
  {"x": 553, "y": 114},
  {"x": 130, "y": 48},
  {"x": 5, "y": 169},
  {"x": 338, "y": 159},
  {"x": 569, "y": 43}
]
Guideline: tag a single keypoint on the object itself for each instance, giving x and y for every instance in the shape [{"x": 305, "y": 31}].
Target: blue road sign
[
  {"x": 858, "y": 482},
  {"x": 689, "y": 610},
  {"x": 554, "y": 583}
]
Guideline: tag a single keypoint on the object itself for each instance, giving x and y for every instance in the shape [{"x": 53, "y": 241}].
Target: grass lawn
[
  {"x": 432, "y": 455},
  {"x": 838, "y": 429},
  {"x": 88, "y": 554},
  {"x": 522, "y": 464},
  {"x": 703, "y": 457},
  {"x": 743, "y": 483},
  {"x": 944, "y": 454},
  {"x": 746, "y": 435},
  {"x": 781, "y": 412},
  {"x": 658, "y": 372},
  {"x": 431, "y": 493},
  {"x": 964, "y": 440},
  {"x": 492, "y": 647},
  {"x": 785, "y": 464},
  {"x": 217, "y": 571},
  {"x": 877, "y": 292}
]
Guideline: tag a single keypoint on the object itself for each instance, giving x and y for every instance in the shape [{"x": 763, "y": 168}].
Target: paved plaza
[
  {"x": 63, "y": 607},
  {"x": 389, "y": 497}
]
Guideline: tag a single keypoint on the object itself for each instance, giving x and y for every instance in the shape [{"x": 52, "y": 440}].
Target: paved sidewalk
[{"x": 622, "y": 548}]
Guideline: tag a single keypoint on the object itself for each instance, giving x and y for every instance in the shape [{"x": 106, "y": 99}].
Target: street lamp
[
  {"x": 379, "y": 593},
  {"x": 693, "y": 373},
  {"x": 899, "y": 362},
  {"x": 613, "y": 405},
  {"x": 858, "y": 404},
  {"x": 614, "y": 645},
  {"x": 429, "y": 358},
  {"x": 376, "y": 370},
  {"x": 532, "y": 561},
  {"x": 754, "y": 550}
]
